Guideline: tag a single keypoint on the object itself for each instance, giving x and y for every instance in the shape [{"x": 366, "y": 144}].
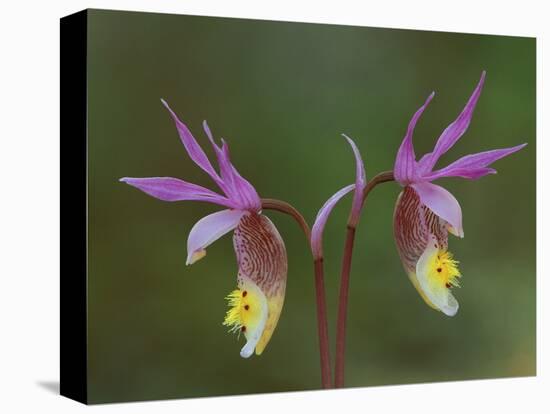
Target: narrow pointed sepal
[
  {"x": 193, "y": 148},
  {"x": 405, "y": 169},
  {"x": 360, "y": 183},
  {"x": 454, "y": 131},
  {"x": 174, "y": 189},
  {"x": 473, "y": 166}
]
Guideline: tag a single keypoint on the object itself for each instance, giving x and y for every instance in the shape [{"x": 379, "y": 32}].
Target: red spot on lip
[
  {"x": 243, "y": 328},
  {"x": 245, "y": 293},
  {"x": 246, "y": 307},
  {"x": 439, "y": 270},
  {"x": 447, "y": 285}
]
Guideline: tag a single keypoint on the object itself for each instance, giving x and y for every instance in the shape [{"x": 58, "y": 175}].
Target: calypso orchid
[
  {"x": 256, "y": 304},
  {"x": 425, "y": 212}
]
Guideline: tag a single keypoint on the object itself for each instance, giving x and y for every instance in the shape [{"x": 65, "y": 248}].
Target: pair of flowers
[{"x": 424, "y": 214}]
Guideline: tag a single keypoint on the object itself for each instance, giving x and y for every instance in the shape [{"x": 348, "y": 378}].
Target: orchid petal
[
  {"x": 405, "y": 163},
  {"x": 443, "y": 204},
  {"x": 174, "y": 189},
  {"x": 454, "y": 131},
  {"x": 467, "y": 173},
  {"x": 246, "y": 190},
  {"x": 238, "y": 187},
  {"x": 262, "y": 259},
  {"x": 193, "y": 148},
  {"x": 223, "y": 161},
  {"x": 209, "y": 229},
  {"x": 360, "y": 182},
  {"x": 321, "y": 219},
  {"x": 473, "y": 166}
]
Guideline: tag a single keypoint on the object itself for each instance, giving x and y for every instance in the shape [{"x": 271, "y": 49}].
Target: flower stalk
[
  {"x": 322, "y": 323},
  {"x": 320, "y": 296},
  {"x": 344, "y": 281}
]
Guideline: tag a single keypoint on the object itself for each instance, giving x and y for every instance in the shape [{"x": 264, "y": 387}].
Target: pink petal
[
  {"x": 262, "y": 258},
  {"x": 321, "y": 220},
  {"x": 193, "y": 148},
  {"x": 473, "y": 166},
  {"x": 223, "y": 161},
  {"x": 360, "y": 182},
  {"x": 467, "y": 173},
  {"x": 237, "y": 187},
  {"x": 209, "y": 229},
  {"x": 174, "y": 189},
  {"x": 442, "y": 203},
  {"x": 405, "y": 163},
  {"x": 247, "y": 191},
  {"x": 454, "y": 131}
]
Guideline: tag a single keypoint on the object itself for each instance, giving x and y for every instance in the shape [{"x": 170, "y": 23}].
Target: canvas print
[{"x": 279, "y": 206}]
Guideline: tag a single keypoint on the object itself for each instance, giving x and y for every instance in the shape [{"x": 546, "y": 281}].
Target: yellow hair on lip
[
  {"x": 443, "y": 269},
  {"x": 233, "y": 316},
  {"x": 247, "y": 310}
]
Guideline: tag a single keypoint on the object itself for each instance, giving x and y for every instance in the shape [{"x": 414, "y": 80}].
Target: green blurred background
[{"x": 281, "y": 94}]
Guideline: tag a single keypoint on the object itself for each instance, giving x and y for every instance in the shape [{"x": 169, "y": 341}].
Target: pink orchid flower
[
  {"x": 256, "y": 304},
  {"x": 425, "y": 212}
]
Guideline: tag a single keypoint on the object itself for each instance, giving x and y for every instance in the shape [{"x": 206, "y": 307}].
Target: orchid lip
[{"x": 263, "y": 266}]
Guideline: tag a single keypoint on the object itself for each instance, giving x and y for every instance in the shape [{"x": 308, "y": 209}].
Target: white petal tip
[
  {"x": 450, "y": 308},
  {"x": 195, "y": 257},
  {"x": 247, "y": 350},
  {"x": 450, "y": 311}
]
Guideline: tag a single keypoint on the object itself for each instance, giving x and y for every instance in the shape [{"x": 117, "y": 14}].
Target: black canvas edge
[{"x": 73, "y": 173}]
